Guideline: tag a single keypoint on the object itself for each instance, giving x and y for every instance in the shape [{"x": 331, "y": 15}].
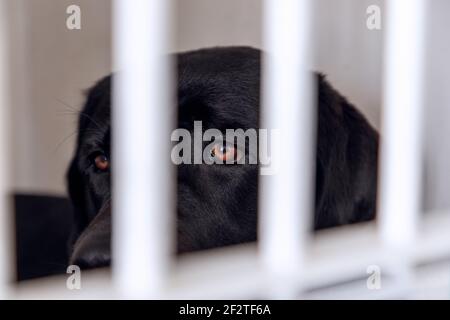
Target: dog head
[{"x": 217, "y": 204}]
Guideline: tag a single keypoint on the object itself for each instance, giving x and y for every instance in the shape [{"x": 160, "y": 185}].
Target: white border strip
[{"x": 142, "y": 122}]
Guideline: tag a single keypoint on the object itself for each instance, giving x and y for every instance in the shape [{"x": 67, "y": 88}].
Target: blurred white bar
[
  {"x": 142, "y": 171},
  {"x": 286, "y": 196},
  {"x": 6, "y": 246},
  {"x": 401, "y": 156}
]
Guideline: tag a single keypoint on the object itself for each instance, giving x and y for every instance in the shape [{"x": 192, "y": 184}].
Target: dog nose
[
  {"x": 93, "y": 247},
  {"x": 91, "y": 259}
]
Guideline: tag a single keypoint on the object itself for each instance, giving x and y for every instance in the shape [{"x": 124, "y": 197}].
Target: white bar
[
  {"x": 401, "y": 143},
  {"x": 6, "y": 258},
  {"x": 286, "y": 197},
  {"x": 142, "y": 173}
]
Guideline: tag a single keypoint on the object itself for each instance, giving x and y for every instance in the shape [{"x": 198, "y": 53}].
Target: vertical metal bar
[
  {"x": 286, "y": 193},
  {"x": 402, "y": 123},
  {"x": 6, "y": 258},
  {"x": 142, "y": 122}
]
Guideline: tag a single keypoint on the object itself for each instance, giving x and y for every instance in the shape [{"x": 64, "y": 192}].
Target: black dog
[{"x": 217, "y": 204}]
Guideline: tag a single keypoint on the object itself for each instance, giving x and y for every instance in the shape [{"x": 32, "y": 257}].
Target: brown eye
[
  {"x": 224, "y": 153},
  {"x": 101, "y": 162}
]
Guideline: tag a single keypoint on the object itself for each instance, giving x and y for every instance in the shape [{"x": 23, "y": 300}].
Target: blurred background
[{"x": 53, "y": 66}]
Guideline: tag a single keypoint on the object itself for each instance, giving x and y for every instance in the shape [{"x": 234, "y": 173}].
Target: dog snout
[{"x": 93, "y": 247}]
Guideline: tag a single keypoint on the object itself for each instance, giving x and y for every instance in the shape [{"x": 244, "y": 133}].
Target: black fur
[{"x": 217, "y": 204}]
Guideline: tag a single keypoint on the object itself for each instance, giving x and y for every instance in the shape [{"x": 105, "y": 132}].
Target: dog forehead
[
  {"x": 228, "y": 68},
  {"x": 229, "y": 76},
  {"x": 220, "y": 85}
]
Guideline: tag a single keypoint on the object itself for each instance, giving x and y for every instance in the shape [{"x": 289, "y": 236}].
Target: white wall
[
  {"x": 52, "y": 63},
  {"x": 205, "y": 23},
  {"x": 349, "y": 53}
]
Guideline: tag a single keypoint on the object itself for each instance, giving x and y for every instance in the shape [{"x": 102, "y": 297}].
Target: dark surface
[{"x": 43, "y": 227}]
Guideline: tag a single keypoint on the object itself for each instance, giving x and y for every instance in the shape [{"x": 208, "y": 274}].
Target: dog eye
[
  {"x": 224, "y": 153},
  {"x": 101, "y": 162}
]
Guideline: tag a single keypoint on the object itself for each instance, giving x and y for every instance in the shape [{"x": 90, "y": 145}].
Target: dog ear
[{"x": 346, "y": 167}]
